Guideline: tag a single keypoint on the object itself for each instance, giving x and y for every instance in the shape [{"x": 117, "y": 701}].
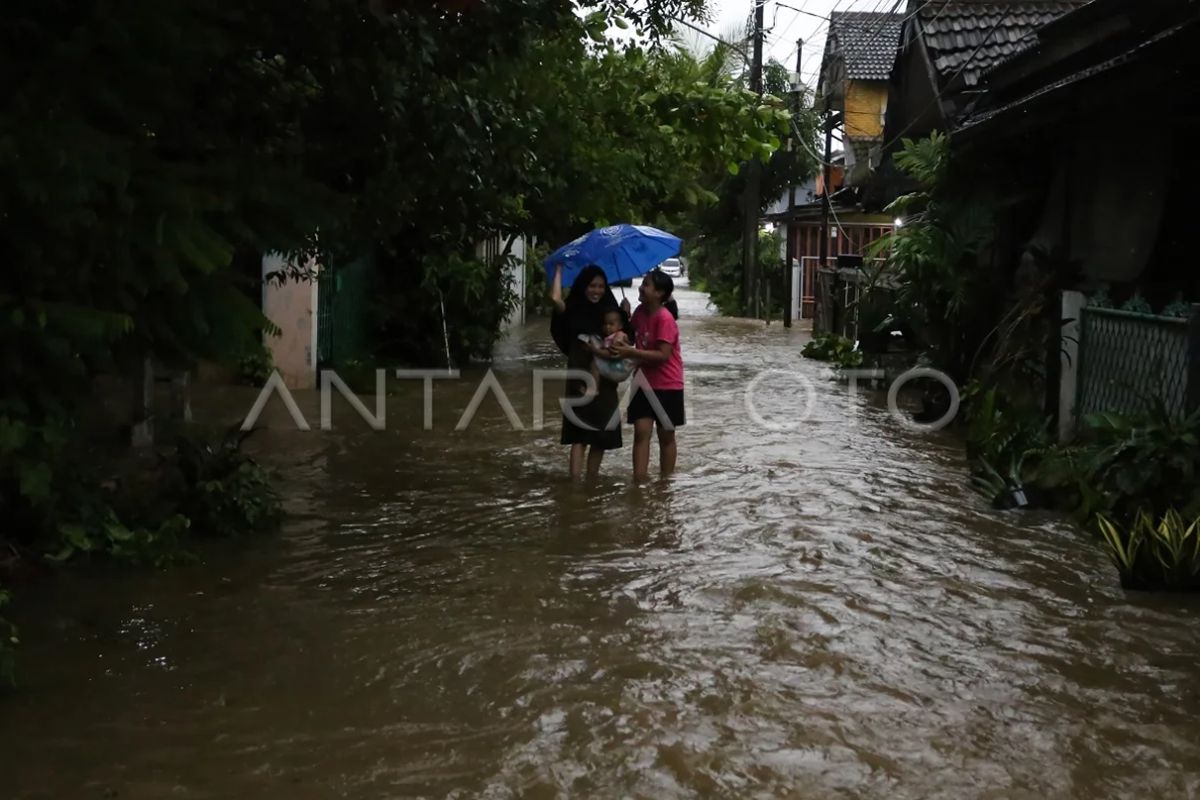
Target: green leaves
[
  {"x": 223, "y": 492},
  {"x": 838, "y": 350},
  {"x": 1154, "y": 553},
  {"x": 595, "y": 25},
  {"x": 13, "y": 435},
  {"x": 135, "y": 223},
  {"x": 926, "y": 159},
  {"x": 9, "y": 639},
  {"x": 934, "y": 259},
  {"x": 34, "y": 480},
  {"x": 1123, "y": 546}
]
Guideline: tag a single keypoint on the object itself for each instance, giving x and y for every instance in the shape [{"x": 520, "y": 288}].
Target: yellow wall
[{"x": 865, "y": 103}]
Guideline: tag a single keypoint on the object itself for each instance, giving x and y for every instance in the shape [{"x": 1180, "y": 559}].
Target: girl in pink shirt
[{"x": 657, "y": 399}]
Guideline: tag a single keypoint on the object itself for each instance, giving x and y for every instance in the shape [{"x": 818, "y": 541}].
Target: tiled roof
[
  {"x": 972, "y": 37},
  {"x": 1046, "y": 92},
  {"x": 866, "y": 41}
]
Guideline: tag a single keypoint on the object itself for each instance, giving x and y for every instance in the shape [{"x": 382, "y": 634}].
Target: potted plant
[{"x": 1004, "y": 491}]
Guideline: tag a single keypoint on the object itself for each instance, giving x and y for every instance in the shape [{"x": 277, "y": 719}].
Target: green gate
[{"x": 343, "y": 293}]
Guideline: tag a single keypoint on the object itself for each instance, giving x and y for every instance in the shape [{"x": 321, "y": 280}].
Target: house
[
  {"x": 1110, "y": 195},
  {"x": 851, "y": 232},
  {"x": 856, "y": 68},
  {"x": 1113, "y": 190},
  {"x": 853, "y": 92},
  {"x": 945, "y": 48},
  {"x": 1077, "y": 124}
]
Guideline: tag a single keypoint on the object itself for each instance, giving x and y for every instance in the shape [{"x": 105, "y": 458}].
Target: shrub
[
  {"x": 1128, "y": 464},
  {"x": 1150, "y": 554},
  {"x": 8, "y": 643},
  {"x": 833, "y": 348},
  {"x": 223, "y": 491},
  {"x": 255, "y": 366}
]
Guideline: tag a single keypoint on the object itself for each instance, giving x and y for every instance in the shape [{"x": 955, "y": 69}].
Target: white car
[{"x": 673, "y": 267}]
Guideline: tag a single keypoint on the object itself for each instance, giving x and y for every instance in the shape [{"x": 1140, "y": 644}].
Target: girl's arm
[
  {"x": 659, "y": 356},
  {"x": 556, "y": 289}
]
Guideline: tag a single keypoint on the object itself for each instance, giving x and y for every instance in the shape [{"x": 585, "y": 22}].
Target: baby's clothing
[{"x": 614, "y": 369}]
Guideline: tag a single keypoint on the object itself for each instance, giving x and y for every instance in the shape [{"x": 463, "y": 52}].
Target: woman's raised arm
[{"x": 556, "y": 289}]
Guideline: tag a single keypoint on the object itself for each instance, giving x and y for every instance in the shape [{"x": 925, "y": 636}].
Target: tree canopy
[{"x": 150, "y": 153}]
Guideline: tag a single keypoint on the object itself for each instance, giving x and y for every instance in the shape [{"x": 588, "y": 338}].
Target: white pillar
[
  {"x": 797, "y": 288},
  {"x": 142, "y": 430},
  {"x": 292, "y": 306},
  {"x": 1072, "y": 308}
]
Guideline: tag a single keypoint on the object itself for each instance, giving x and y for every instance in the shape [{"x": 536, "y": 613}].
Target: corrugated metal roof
[
  {"x": 866, "y": 41},
  {"x": 972, "y": 37}
]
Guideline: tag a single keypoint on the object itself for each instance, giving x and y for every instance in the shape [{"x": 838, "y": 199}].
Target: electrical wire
[
  {"x": 883, "y": 23},
  {"x": 936, "y": 99},
  {"x": 862, "y": 45},
  {"x": 824, "y": 26},
  {"x": 780, "y": 36},
  {"x": 942, "y": 92},
  {"x": 735, "y": 48}
]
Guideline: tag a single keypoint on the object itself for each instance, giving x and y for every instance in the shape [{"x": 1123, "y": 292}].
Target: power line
[
  {"x": 717, "y": 39},
  {"x": 870, "y": 39},
  {"x": 824, "y": 24},
  {"x": 826, "y": 21},
  {"x": 874, "y": 10},
  {"x": 779, "y": 37},
  {"x": 860, "y": 46}
]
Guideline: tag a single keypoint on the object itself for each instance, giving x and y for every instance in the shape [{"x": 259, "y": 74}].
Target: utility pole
[
  {"x": 750, "y": 278},
  {"x": 789, "y": 289},
  {"x": 826, "y": 190}
]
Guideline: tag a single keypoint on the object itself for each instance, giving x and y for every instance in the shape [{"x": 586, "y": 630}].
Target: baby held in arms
[{"x": 604, "y": 365}]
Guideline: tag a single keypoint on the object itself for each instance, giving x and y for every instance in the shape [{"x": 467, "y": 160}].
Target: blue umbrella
[{"x": 624, "y": 252}]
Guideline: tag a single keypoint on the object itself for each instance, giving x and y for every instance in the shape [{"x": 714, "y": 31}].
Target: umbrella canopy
[{"x": 624, "y": 252}]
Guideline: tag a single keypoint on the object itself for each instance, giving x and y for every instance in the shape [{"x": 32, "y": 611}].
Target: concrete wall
[
  {"x": 293, "y": 307},
  {"x": 517, "y": 272},
  {"x": 489, "y": 251}
]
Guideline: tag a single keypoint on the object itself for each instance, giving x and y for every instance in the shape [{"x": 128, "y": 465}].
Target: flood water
[{"x": 821, "y": 612}]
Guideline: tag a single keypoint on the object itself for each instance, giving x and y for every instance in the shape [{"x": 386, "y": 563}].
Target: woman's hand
[{"x": 624, "y": 351}]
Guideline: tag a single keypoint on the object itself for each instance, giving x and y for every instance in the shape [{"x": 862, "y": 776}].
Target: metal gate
[
  {"x": 342, "y": 313},
  {"x": 1128, "y": 362}
]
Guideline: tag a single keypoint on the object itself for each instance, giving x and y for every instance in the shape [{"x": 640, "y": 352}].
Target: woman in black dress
[{"x": 582, "y": 314}]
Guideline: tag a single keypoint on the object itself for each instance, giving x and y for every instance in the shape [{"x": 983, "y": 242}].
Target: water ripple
[{"x": 825, "y": 611}]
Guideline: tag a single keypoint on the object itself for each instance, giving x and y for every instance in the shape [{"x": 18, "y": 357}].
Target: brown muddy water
[{"x": 822, "y": 612}]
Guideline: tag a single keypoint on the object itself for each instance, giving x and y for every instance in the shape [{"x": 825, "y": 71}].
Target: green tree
[
  {"x": 714, "y": 230},
  {"x": 150, "y": 152},
  {"x": 937, "y": 258}
]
